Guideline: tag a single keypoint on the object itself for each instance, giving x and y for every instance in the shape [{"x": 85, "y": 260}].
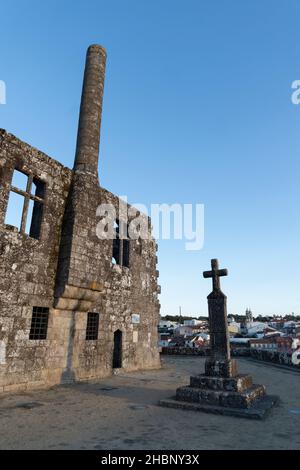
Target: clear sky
[{"x": 197, "y": 109}]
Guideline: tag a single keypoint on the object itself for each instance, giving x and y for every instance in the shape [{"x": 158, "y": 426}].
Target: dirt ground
[{"x": 121, "y": 412}]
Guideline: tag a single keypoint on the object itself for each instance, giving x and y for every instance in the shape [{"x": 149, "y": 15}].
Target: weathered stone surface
[
  {"x": 221, "y": 397},
  {"x": 242, "y": 399},
  {"x": 221, "y": 368},
  {"x": 259, "y": 410},
  {"x": 232, "y": 384},
  {"x": 88, "y": 137},
  {"x": 68, "y": 269},
  {"x": 219, "y": 363}
]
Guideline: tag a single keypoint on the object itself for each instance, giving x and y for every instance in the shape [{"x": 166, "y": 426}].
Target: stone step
[
  {"x": 234, "y": 384},
  {"x": 221, "y": 397},
  {"x": 259, "y": 410}
]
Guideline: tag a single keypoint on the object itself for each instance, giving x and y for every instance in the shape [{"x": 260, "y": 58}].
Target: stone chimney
[
  {"x": 84, "y": 194},
  {"x": 88, "y": 137}
]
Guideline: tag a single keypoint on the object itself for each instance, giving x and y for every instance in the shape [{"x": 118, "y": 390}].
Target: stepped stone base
[
  {"x": 260, "y": 410},
  {"x": 235, "y": 396},
  {"x": 220, "y": 397},
  {"x": 233, "y": 384}
]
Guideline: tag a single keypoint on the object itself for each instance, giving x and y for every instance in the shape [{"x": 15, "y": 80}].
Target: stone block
[
  {"x": 221, "y": 368},
  {"x": 232, "y": 384},
  {"x": 259, "y": 410},
  {"x": 15, "y": 387},
  {"x": 220, "y": 397}
]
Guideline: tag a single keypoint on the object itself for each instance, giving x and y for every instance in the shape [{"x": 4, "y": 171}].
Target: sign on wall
[
  {"x": 2, "y": 352},
  {"x": 135, "y": 318}
]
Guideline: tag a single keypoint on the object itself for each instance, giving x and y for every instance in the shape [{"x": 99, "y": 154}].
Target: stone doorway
[{"x": 117, "y": 354}]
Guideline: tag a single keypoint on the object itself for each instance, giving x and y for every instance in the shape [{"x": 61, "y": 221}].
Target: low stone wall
[
  {"x": 268, "y": 356},
  {"x": 240, "y": 351},
  {"x": 273, "y": 356},
  {"x": 182, "y": 351},
  {"x": 186, "y": 351}
]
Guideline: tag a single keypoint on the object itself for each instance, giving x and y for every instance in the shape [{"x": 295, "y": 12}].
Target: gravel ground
[{"x": 121, "y": 412}]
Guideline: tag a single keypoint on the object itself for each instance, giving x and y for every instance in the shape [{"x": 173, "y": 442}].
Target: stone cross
[
  {"x": 215, "y": 273},
  {"x": 221, "y": 390},
  {"x": 219, "y": 363}
]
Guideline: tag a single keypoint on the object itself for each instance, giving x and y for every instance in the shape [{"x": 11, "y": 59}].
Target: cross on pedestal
[
  {"x": 215, "y": 273},
  {"x": 219, "y": 363},
  {"x": 221, "y": 389}
]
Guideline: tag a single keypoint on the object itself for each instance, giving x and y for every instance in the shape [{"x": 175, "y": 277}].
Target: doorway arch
[{"x": 117, "y": 353}]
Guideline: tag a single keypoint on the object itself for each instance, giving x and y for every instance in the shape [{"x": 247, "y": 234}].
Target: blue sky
[{"x": 197, "y": 109}]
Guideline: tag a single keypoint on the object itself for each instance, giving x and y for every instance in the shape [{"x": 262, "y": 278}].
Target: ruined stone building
[{"x": 72, "y": 306}]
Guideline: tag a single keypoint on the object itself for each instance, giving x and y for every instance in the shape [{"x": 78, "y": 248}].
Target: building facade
[{"x": 73, "y": 305}]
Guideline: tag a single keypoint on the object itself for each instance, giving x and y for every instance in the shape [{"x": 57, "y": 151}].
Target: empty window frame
[
  {"x": 25, "y": 204},
  {"x": 121, "y": 244},
  {"x": 39, "y": 323},
  {"x": 116, "y": 244},
  {"x": 92, "y": 326}
]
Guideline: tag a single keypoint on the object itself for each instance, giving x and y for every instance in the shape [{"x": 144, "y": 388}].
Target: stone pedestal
[
  {"x": 234, "y": 396},
  {"x": 221, "y": 389},
  {"x": 238, "y": 392},
  {"x": 221, "y": 368}
]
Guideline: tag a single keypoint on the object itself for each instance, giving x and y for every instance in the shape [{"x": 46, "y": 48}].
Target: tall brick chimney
[{"x": 88, "y": 137}]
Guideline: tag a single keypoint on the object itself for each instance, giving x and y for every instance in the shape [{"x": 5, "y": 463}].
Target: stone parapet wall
[
  {"x": 273, "y": 356},
  {"x": 182, "y": 351}
]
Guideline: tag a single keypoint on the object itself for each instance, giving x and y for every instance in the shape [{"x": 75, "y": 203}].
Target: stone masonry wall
[
  {"x": 28, "y": 266},
  {"x": 128, "y": 291},
  {"x": 29, "y": 277}
]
